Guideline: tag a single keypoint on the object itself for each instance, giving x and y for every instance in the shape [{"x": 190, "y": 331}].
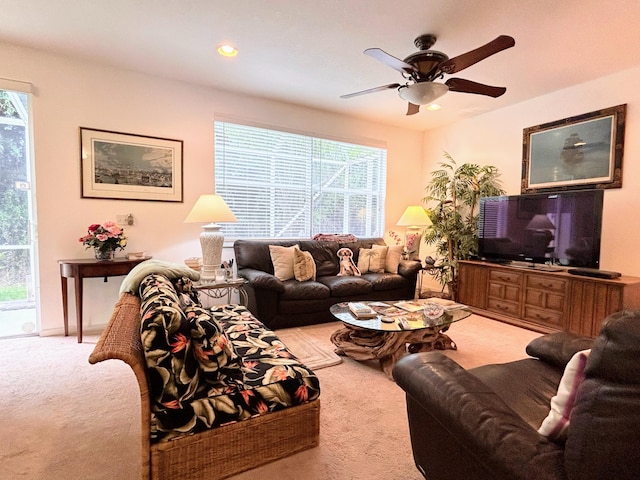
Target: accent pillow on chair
[{"x": 555, "y": 425}]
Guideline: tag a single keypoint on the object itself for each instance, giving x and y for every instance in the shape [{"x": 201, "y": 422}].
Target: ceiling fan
[{"x": 420, "y": 69}]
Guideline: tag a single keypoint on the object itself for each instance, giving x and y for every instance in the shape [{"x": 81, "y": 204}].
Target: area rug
[{"x": 308, "y": 349}]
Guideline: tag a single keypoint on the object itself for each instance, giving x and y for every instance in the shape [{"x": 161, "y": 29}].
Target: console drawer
[
  {"x": 546, "y": 283},
  {"x": 514, "y": 278},
  {"x": 503, "y": 306},
  {"x": 544, "y": 316}
]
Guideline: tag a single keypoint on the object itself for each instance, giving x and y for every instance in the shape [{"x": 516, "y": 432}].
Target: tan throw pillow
[
  {"x": 304, "y": 267},
  {"x": 394, "y": 255},
  {"x": 379, "y": 259},
  {"x": 282, "y": 259},
  {"x": 371, "y": 260}
]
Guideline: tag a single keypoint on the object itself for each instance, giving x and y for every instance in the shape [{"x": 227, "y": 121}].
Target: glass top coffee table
[{"x": 393, "y": 331}]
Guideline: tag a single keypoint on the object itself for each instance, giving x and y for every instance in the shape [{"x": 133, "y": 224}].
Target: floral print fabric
[{"x": 212, "y": 367}]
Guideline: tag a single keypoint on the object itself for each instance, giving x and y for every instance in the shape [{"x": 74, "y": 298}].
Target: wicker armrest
[{"x": 121, "y": 341}]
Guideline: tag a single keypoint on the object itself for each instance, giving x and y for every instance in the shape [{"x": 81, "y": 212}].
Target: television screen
[{"x": 555, "y": 228}]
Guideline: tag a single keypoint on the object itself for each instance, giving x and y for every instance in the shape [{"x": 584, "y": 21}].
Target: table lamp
[
  {"x": 210, "y": 209},
  {"x": 414, "y": 218}
]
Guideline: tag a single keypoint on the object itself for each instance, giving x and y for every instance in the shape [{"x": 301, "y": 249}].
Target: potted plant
[{"x": 453, "y": 202}]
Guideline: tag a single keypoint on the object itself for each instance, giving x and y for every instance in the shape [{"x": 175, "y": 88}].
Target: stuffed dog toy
[{"x": 347, "y": 265}]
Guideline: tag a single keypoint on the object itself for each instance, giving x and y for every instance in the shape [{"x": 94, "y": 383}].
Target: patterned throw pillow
[
  {"x": 304, "y": 267},
  {"x": 211, "y": 347},
  {"x": 165, "y": 332},
  {"x": 371, "y": 260}
]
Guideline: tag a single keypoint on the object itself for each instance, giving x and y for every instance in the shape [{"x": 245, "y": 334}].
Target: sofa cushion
[
  {"x": 555, "y": 425},
  {"x": 346, "y": 286},
  {"x": 385, "y": 281},
  {"x": 294, "y": 290},
  {"x": 282, "y": 259}
]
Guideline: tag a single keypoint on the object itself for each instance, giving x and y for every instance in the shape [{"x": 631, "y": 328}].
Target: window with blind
[{"x": 289, "y": 185}]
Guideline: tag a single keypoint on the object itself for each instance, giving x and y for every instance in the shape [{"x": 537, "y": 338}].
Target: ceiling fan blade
[
  {"x": 465, "y": 60},
  {"x": 371, "y": 90},
  {"x": 412, "y": 108},
  {"x": 467, "y": 86},
  {"x": 390, "y": 60}
]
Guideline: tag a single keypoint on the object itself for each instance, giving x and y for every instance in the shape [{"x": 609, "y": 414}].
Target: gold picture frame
[
  {"x": 581, "y": 152},
  {"x": 123, "y": 166}
]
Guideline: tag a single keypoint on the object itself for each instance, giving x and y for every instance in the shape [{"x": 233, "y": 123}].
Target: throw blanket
[
  {"x": 170, "y": 270},
  {"x": 335, "y": 237}
]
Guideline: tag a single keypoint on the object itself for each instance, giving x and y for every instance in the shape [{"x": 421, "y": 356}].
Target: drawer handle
[
  {"x": 542, "y": 317},
  {"x": 502, "y": 307},
  {"x": 504, "y": 279}
]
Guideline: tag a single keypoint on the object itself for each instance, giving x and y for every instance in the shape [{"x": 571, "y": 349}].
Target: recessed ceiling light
[
  {"x": 434, "y": 106},
  {"x": 227, "y": 50}
]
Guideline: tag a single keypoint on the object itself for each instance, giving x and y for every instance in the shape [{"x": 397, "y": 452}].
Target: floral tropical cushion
[{"x": 262, "y": 377}]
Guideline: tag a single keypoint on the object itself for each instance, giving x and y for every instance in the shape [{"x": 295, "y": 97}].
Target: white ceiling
[{"x": 309, "y": 52}]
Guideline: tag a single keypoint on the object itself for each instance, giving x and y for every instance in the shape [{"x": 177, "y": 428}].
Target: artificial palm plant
[{"x": 453, "y": 200}]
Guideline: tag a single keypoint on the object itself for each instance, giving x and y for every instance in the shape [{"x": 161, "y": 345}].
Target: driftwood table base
[{"x": 388, "y": 347}]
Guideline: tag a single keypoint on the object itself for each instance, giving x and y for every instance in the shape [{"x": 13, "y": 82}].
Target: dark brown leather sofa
[
  {"x": 482, "y": 423},
  {"x": 283, "y": 304}
]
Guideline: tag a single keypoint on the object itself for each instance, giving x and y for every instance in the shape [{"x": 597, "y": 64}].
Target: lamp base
[{"x": 211, "y": 241}]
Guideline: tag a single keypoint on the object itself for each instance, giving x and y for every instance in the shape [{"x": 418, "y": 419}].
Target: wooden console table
[
  {"x": 88, "y": 268},
  {"x": 544, "y": 301}
]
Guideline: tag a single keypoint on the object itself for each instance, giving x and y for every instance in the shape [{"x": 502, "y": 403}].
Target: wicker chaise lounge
[{"x": 213, "y": 453}]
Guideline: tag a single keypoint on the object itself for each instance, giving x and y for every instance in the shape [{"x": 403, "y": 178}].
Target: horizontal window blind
[{"x": 290, "y": 185}]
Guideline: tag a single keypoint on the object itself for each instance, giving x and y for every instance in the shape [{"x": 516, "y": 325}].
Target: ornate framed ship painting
[{"x": 581, "y": 152}]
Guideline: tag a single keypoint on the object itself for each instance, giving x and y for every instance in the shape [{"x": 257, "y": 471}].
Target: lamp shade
[
  {"x": 414, "y": 216},
  {"x": 422, "y": 93},
  {"x": 540, "y": 222},
  {"x": 210, "y": 209}
]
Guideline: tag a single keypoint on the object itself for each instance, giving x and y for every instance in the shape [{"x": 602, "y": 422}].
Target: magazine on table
[
  {"x": 386, "y": 309},
  {"x": 445, "y": 304},
  {"x": 362, "y": 310},
  {"x": 410, "y": 305}
]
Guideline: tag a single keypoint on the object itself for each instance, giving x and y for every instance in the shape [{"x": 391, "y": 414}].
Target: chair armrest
[
  {"x": 558, "y": 348},
  {"x": 478, "y": 418},
  {"x": 261, "y": 280},
  {"x": 409, "y": 268},
  {"x": 121, "y": 340}
]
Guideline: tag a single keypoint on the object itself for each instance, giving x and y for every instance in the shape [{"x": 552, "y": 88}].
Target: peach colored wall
[
  {"x": 496, "y": 138},
  {"x": 71, "y": 93}
]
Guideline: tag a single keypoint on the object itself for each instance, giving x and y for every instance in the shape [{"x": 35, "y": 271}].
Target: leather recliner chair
[{"x": 482, "y": 423}]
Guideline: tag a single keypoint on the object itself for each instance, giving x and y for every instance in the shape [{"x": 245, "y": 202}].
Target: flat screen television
[{"x": 554, "y": 228}]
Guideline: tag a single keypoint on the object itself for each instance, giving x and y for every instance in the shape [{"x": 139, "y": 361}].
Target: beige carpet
[
  {"x": 61, "y": 418},
  {"x": 309, "y": 350}
]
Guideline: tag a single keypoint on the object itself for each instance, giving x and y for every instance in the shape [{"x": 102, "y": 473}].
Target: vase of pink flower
[{"x": 105, "y": 239}]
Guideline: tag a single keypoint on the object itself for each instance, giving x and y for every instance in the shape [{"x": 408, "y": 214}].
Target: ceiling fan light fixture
[
  {"x": 434, "y": 106},
  {"x": 422, "y": 93}
]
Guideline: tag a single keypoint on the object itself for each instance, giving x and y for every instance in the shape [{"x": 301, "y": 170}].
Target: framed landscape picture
[
  {"x": 130, "y": 167},
  {"x": 579, "y": 152}
]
